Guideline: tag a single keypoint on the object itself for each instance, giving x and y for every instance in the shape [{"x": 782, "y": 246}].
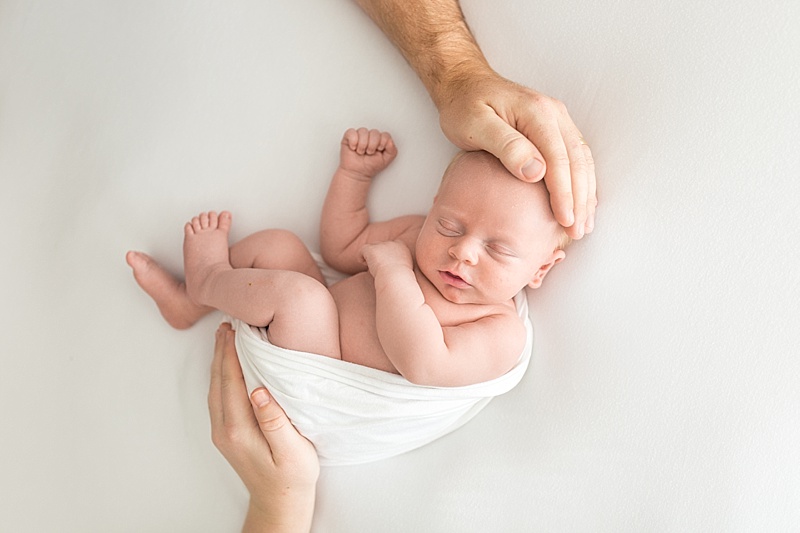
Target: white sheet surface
[{"x": 662, "y": 393}]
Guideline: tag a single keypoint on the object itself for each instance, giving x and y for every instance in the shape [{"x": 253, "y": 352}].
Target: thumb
[
  {"x": 281, "y": 435},
  {"x": 512, "y": 148}
]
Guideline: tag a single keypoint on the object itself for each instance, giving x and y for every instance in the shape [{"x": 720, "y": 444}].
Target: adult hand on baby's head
[
  {"x": 387, "y": 254},
  {"x": 532, "y": 134},
  {"x": 278, "y": 466},
  {"x": 366, "y": 152}
]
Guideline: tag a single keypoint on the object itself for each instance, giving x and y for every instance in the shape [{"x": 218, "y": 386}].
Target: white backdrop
[{"x": 663, "y": 391}]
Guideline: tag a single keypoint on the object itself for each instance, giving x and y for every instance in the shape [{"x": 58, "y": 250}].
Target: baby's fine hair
[{"x": 564, "y": 240}]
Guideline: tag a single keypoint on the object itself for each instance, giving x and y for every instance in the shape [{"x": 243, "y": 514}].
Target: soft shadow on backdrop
[{"x": 662, "y": 393}]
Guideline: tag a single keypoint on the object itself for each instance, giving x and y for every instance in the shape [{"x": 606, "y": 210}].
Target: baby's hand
[
  {"x": 366, "y": 152},
  {"x": 387, "y": 254}
]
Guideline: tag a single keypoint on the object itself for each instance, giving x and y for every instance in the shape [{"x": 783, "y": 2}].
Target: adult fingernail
[
  {"x": 260, "y": 397},
  {"x": 590, "y": 224},
  {"x": 532, "y": 169}
]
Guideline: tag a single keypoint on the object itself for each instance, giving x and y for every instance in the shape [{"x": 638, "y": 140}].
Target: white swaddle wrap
[{"x": 356, "y": 414}]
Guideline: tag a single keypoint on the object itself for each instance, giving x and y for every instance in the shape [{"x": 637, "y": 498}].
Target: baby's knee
[
  {"x": 309, "y": 297},
  {"x": 278, "y": 239},
  {"x": 307, "y": 320},
  {"x": 276, "y": 249}
]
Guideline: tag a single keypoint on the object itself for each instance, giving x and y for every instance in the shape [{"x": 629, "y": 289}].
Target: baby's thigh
[
  {"x": 306, "y": 319},
  {"x": 274, "y": 249}
]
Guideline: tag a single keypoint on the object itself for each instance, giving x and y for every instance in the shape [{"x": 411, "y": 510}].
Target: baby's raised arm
[{"x": 345, "y": 225}]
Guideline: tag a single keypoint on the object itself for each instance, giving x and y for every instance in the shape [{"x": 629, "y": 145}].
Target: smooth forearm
[
  {"x": 344, "y": 218},
  {"x": 292, "y": 519},
  {"x": 408, "y": 329},
  {"x": 435, "y": 40}
]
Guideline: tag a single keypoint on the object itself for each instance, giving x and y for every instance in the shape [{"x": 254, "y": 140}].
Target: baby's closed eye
[
  {"x": 500, "y": 249},
  {"x": 448, "y": 229}
]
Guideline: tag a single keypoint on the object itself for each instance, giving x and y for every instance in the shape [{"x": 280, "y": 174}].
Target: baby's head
[{"x": 488, "y": 234}]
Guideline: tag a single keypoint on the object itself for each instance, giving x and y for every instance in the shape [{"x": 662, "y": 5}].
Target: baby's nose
[{"x": 465, "y": 251}]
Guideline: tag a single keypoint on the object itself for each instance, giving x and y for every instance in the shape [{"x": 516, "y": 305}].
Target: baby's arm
[
  {"x": 345, "y": 225},
  {"x": 419, "y": 347}
]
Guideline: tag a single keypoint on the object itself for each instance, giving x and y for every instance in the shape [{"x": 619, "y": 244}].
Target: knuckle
[
  {"x": 560, "y": 159},
  {"x": 216, "y": 440},
  {"x": 272, "y": 423},
  {"x": 232, "y": 434},
  {"x": 548, "y": 103},
  {"x": 560, "y": 195},
  {"x": 555, "y": 102},
  {"x": 541, "y": 99},
  {"x": 514, "y": 146},
  {"x": 580, "y": 168},
  {"x": 563, "y": 197}
]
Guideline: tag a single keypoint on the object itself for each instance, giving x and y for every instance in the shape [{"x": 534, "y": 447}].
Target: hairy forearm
[
  {"x": 409, "y": 331},
  {"x": 435, "y": 40},
  {"x": 344, "y": 218}
]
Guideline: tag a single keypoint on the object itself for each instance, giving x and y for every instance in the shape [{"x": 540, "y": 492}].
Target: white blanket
[{"x": 356, "y": 414}]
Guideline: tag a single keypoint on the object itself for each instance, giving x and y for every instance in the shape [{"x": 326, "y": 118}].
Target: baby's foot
[
  {"x": 205, "y": 251},
  {"x": 169, "y": 293}
]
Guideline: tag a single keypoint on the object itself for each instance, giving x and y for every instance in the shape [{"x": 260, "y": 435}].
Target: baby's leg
[
  {"x": 166, "y": 290},
  {"x": 298, "y": 309},
  {"x": 275, "y": 249}
]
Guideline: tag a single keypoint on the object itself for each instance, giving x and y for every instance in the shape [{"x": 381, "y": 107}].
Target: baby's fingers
[
  {"x": 373, "y": 141},
  {"x": 387, "y": 144},
  {"x": 350, "y": 138},
  {"x": 363, "y": 141}
]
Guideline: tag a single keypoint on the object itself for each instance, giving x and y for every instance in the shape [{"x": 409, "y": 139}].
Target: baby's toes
[
  {"x": 213, "y": 220},
  {"x": 203, "y": 220},
  {"x": 225, "y": 220},
  {"x": 196, "y": 224}
]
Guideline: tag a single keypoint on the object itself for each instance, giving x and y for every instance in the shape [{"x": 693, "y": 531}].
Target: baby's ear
[{"x": 556, "y": 257}]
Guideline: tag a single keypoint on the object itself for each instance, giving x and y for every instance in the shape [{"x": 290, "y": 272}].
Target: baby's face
[{"x": 488, "y": 234}]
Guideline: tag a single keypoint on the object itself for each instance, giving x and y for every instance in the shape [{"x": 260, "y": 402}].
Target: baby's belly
[{"x": 358, "y": 337}]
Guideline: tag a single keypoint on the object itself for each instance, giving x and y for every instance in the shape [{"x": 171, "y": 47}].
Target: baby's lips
[{"x": 454, "y": 279}]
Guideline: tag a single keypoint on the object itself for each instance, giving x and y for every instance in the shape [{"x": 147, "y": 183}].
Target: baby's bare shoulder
[
  {"x": 498, "y": 332},
  {"x": 495, "y": 320},
  {"x": 492, "y": 316}
]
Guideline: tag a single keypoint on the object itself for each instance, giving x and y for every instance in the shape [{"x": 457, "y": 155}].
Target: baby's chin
[{"x": 471, "y": 297}]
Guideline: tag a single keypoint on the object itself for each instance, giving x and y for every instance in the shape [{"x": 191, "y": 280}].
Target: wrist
[
  {"x": 353, "y": 175},
  {"x": 291, "y": 513},
  {"x": 388, "y": 269},
  {"x": 455, "y": 80},
  {"x": 393, "y": 279}
]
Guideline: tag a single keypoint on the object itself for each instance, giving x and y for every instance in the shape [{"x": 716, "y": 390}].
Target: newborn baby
[
  {"x": 430, "y": 326},
  {"x": 429, "y": 297}
]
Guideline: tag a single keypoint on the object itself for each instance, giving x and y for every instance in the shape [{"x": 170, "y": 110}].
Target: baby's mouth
[{"x": 453, "y": 279}]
